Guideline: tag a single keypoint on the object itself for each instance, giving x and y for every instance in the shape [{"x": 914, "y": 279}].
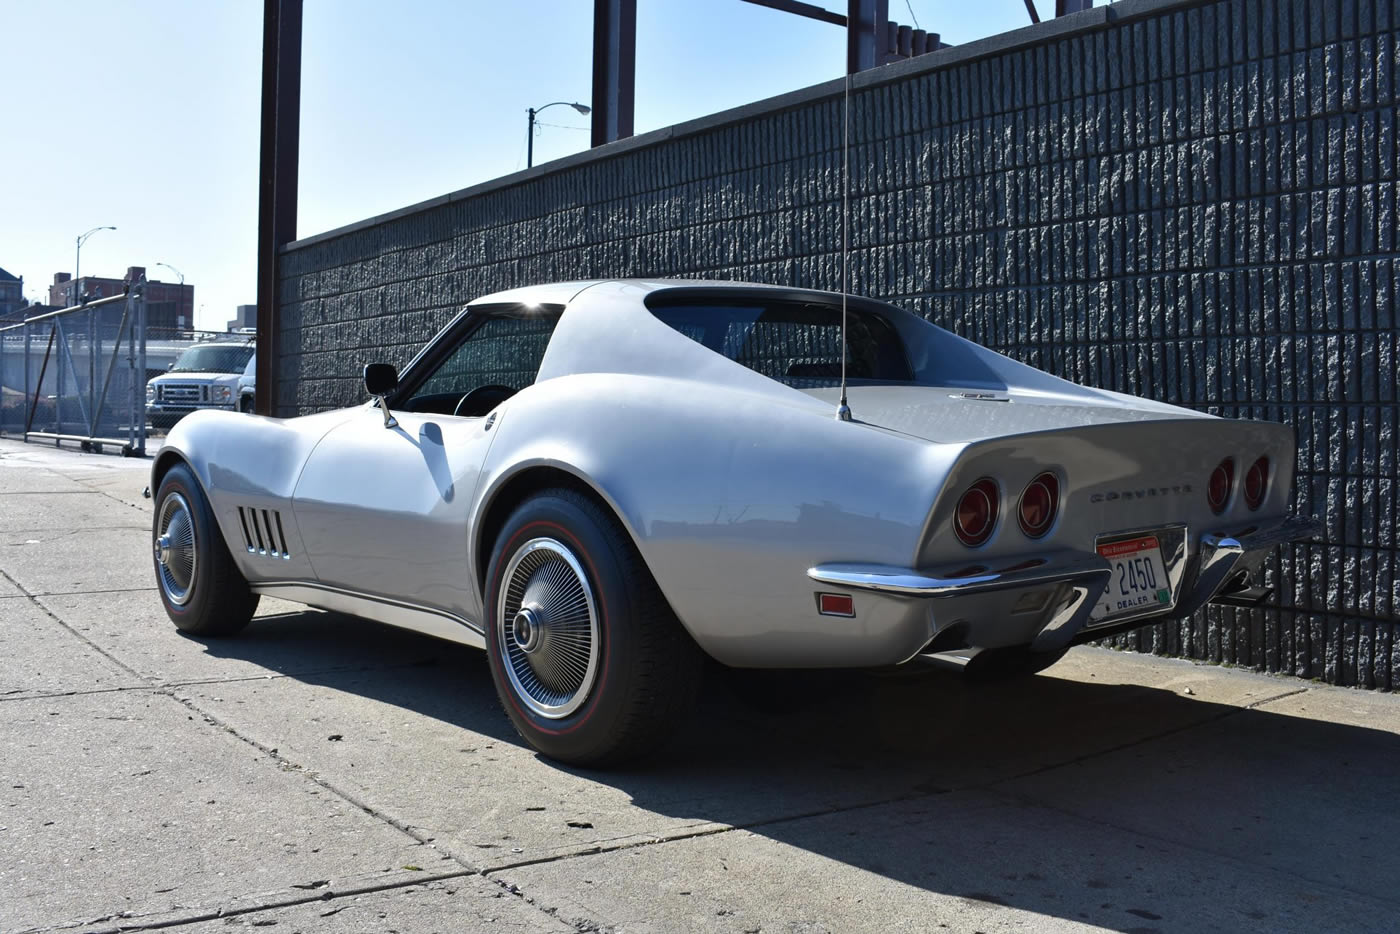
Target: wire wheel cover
[
  {"x": 175, "y": 552},
  {"x": 547, "y": 627}
]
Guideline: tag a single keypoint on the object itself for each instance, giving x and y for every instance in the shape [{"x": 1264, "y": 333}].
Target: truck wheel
[
  {"x": 202, "y": 590},
  {"x": 590, "y": 663}
]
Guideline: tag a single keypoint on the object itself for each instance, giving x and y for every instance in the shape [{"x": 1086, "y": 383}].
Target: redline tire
[
  {"x": 589, "y": 661},
  {"x": 204, "y": 595}
]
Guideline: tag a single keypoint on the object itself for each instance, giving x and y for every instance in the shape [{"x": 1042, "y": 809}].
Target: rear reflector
[{"x": 836, "y": 604}]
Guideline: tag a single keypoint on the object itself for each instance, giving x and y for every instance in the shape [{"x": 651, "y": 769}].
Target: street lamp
[
  {"x": 530, "y": 158},
  {"x": 179, "y": 302},
  {"x": 78, "y": 263}
]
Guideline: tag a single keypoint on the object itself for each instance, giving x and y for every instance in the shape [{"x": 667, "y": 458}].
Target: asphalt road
[{"x": 319, "y": 773}]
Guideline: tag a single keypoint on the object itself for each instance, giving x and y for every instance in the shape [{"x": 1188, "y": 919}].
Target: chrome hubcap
[
  {"x": 547, "y": 624},
  {"x": 527, "y": 629},
  {"x": 174, "y": 549}
]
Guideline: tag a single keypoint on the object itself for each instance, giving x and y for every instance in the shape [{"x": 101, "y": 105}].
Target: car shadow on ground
[{"x": 993, "y": 793}]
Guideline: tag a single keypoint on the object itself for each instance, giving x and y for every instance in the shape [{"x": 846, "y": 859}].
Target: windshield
[{"x": 214, "y": 358}]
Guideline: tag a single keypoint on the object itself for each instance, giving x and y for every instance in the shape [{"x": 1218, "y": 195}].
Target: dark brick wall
[{"x": 1193, "y": 201}]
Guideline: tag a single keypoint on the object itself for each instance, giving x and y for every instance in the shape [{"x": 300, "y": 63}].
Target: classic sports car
[{"x": 602, "y": 482}]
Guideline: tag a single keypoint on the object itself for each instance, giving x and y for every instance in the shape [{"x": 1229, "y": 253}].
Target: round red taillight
[
  {"x": 1039, "y": 502},
  {"x": 976, "y": 515},
  {"x": 1256, "y": 483},
  {"x": 1222, "y": 479}
]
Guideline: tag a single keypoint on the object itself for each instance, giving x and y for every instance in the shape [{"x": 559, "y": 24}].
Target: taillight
[
  {"x": 976, "y": 514},
  {"x": 1256, "y": 483},
  {"x": 1222, "y": 479},
  {"x": 1039, "y": 502}
]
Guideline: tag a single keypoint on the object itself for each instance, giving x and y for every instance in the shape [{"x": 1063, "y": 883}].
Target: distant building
[
  {"x": 169, "y": 305},
  {"x": 11, "y": 296},
  {"x": 246, "y": 317}
]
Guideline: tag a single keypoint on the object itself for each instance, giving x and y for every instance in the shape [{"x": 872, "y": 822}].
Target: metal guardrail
[{"x": 78, "y": 375}]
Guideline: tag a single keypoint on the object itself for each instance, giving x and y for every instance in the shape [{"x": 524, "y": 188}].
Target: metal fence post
[
  {"x": 93, "y": 367},
  {"x": 139, "y": 377},
  {"x": 28, "y": 371}
]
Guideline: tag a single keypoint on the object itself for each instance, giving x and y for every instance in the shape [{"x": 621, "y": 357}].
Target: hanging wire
[
  {"x": 843, "y": 411},
  {"x": 911, "y": 14}
]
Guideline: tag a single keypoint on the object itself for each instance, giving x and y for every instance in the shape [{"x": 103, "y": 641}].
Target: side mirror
[{"x": 380, "y": 380}]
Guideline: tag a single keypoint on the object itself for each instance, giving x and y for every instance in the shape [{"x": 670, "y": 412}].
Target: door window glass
[{"x": 502, "y": 351}]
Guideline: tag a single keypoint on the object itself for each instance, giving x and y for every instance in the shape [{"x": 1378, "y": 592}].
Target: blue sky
[{"x": 143, "y": 114}]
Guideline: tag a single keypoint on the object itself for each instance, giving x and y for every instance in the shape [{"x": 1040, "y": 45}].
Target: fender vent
[{"x": 262, "y": 532}]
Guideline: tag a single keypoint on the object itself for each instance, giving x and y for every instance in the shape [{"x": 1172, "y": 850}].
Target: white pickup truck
[{"x": 206, "y": 376}]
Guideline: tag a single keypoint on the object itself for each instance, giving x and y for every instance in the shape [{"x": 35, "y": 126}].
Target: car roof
[{"x": 561, "y": 293}]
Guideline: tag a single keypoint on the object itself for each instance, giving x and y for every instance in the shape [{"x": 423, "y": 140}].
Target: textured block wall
[{"x": 1193, "y": 201}]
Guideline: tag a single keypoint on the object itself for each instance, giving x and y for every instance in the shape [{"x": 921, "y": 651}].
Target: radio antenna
[{"x": 843, "y": 411}]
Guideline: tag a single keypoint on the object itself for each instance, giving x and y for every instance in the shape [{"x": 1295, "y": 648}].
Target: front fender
[{"x": 249, "y": 462}]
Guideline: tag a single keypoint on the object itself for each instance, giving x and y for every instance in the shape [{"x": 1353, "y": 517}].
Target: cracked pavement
[{"x": 321, "y": 773}]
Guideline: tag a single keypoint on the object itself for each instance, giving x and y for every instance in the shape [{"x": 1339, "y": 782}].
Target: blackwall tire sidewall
[{"x": 180, "y": 480}]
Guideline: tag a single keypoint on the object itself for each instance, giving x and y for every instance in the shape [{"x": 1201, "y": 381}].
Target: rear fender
[{"x": 729, "y": 497}]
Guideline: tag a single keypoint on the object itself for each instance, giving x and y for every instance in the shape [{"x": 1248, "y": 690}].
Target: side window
[{"x": 503, "y": 351}]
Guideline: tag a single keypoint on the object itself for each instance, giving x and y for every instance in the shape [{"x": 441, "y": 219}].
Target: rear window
[{"x": 795, "y": 343}]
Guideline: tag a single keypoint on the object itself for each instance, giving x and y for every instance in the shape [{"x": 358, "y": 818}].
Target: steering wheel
[{"x": 488, "y": 396}]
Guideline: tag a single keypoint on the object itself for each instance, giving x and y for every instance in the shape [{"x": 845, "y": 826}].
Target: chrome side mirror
[{"x": 381, "y": 379}]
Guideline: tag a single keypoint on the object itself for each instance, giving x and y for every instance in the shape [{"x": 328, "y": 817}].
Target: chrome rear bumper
[{"x": 1221, "y": 560}]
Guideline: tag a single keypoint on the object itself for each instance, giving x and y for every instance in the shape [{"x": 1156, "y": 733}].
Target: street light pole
[
  {"x": 180, "y": 301},
  {"x": 78, "y": 264},
  {"x": 530, "y": 144}
]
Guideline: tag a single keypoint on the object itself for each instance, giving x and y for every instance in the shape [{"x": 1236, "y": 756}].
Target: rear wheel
[
  {"x": 590, "y": 663},
  {"x": 202, "y": 590}
]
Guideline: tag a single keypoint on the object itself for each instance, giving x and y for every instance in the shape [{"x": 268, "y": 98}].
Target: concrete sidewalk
[{"x": 319, "y": 773}]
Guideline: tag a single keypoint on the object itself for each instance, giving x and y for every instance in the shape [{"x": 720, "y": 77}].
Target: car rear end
[{"x": 1043, "y": 539}]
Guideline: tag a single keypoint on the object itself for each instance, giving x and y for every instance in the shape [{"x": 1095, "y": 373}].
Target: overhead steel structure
[{"x": 871, "y": 40}]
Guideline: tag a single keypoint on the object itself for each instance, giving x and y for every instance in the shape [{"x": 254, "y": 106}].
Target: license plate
[{"x": 1137, "y": 582}]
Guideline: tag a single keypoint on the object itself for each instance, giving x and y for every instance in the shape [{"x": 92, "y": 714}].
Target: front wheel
[
  {"x": 590, "y": 663},
  {"x": 202, "y": 590}
]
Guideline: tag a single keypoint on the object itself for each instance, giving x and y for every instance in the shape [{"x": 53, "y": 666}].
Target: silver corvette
[{"x": 600, "y": 483}]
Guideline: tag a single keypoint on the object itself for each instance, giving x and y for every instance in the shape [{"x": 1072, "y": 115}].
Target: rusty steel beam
[
  {"x": 811, "y": 11},
  {"x": 614, "y": 69},
  {"x": 277, "y": 179}
]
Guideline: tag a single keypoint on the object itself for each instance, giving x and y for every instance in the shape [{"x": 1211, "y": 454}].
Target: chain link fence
[
  {"x": 77, "y": 375},
  {"x": 96, "y": 375}
]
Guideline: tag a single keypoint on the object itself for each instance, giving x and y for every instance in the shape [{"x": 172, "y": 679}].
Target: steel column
[
  {"x": 1066, "y": 7},
  {"x": 614, "y": 69},
  {"x": 277, "y": 194},
  {"x": 865, "y": 33}
]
